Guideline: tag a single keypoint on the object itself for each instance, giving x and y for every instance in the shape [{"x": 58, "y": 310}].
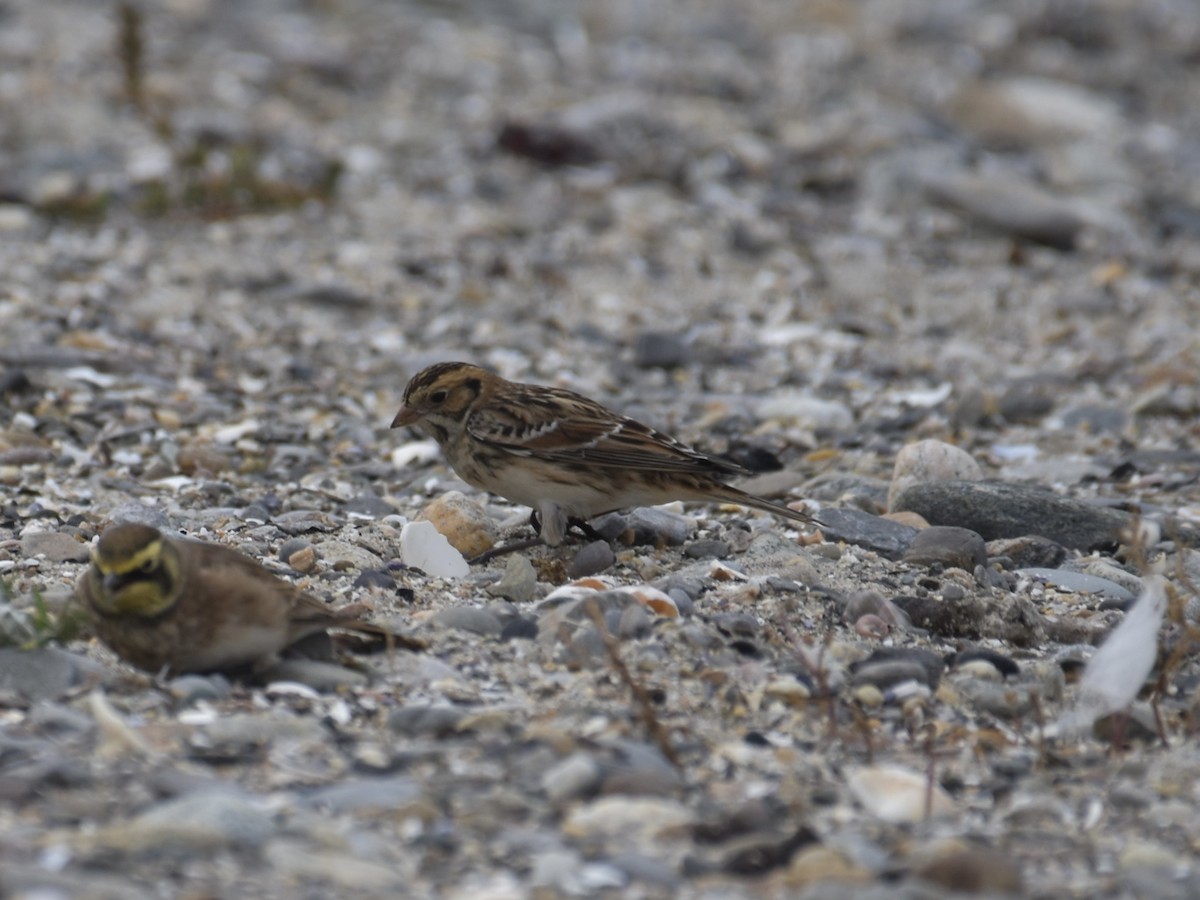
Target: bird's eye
[
  {"x": 149, "y": 566},
  {"x": 437, "y": 396}
]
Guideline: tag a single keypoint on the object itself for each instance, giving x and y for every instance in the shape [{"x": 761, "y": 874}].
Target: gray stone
[
  {"x": 519, "y": 581},
  {"x": 592, "y": 558},
  {"x": 883, "y": 536},
  {"x": 474, "y": 619},
  {"x": 55, "y": 547},
  {"x": 948, "y": 547},
  {"x": 1003, "y": 510}
]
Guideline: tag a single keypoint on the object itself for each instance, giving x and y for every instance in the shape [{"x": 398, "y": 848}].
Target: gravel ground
[{"x": 930, "y": 266}]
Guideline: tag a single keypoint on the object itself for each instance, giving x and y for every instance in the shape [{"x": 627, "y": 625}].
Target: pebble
[
  {"x": 423, "y": 547},
  {"x": 195, "y": 824},
  {"x": 1078, "y": 582},
  {"x": 948, "y": 547},
  {"x": 520, "y": 628},
  {"x": 395, "y": 796},
  {"x": 344, "y": 556},
  {"x": 473, "y": 619},
  {"x": 45, "y": 673},
  {"x": 591, "y": 559},
  {"x": 424, "y": 720},
  {"x": 1006, "y": 510},
  {"x": 463, "y": 521},
  {"x": 931, "y": 460},
  {"x": 572, "y": 778},
  {"x": 888, "y": 539},
  {"x": 662, "y": 349},
  {"x": 632, "y": 820},
  {"x": 320, "y": 676},
  {"x": 707, "y": 549},
  {"x": 55, "y": 547},
  {"x": 519, "y": 581},
  {"x": 1012, "y": 205},
  {"x": 897, "y": 795},
  {"x": 806, "y": 411}
]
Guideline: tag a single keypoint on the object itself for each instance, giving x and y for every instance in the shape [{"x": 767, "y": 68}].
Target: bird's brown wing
[
  {"x": 562, "y": 426},
  {"x": 263, "y": 598}
]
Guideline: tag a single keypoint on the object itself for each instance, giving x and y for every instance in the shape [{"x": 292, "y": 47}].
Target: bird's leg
[
  {"x": 585, "y": 527},
  {"x": 505, "y": 549}
]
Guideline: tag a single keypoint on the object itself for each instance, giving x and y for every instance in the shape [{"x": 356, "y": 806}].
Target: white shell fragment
[
  {"x": 1116, "y": 672},
  {"x": 423, "y": 546}
]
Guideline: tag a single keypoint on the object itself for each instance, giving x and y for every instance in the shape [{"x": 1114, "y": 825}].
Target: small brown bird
[
  {"x": 164, "y": 603},
  {"x": 558, "y": 452}
]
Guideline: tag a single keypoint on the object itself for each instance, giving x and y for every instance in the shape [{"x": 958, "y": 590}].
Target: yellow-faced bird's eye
[
  {"x": 437, "y": 396},
  {"x": 149, "y": 566}
]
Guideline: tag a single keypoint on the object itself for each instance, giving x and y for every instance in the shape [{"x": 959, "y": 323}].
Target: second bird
[{"x": 554, "y": 450}]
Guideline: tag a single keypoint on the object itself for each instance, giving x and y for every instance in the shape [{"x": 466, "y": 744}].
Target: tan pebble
[
  {"x": 915, "y": 520},
  {"x": 872, "y": 627},
  {"x": 817, "y": 864},
  {"x": 790, "y": 691},
  {"x": 304, "y": 560},
  {"x": 868, "y": 695},
  {"x": 202, "y": 457},
  {"x": 462, "y": 521}
]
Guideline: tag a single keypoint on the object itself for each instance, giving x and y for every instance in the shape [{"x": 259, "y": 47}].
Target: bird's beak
[{"x": 406, "y": 416}]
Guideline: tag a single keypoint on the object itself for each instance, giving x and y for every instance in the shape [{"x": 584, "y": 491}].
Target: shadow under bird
[
  {"x": 564, "y": 455},
  {"x": 182, "y": 606}
]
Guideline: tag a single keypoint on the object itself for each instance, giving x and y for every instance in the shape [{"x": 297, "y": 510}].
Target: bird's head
[
  {"x": 438, "y": 399},
  {"x": 135, "y": 571}
]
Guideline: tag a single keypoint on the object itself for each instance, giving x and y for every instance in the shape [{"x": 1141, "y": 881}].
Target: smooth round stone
[
  {"x": 572, "y": 778},
  {"x": 884, "y": 675},
  {"x": 707, "y": 549},
  {"x": 519, "y": 581},
  {"x": 464, "y": 522},
  {"x": 1010, "y": 204},
  {"x": 520, "y": 628},
  {"x": 947, "y": 546},
  {"x": 1004, "y": 665},
  {"x": 423, "y": 547},
  {"x": 931, "y": 460},
  {"x": 661, "y": 349},
  {"x": 869, "y": 602},
  {"x": 1029, "y": 400},
  {"x": 591, "y": 559},
  {"x": 930, "y": 664},
  {"x": 473, "y": 619},
  {"x": 1004, "y": 510}
]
